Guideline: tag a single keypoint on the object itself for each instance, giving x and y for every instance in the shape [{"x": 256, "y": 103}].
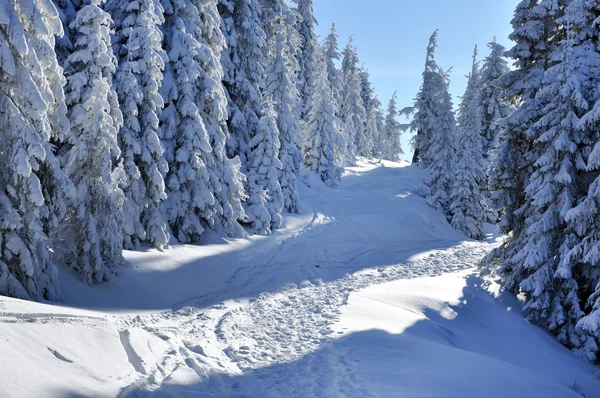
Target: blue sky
[{"x": 392, "y": 35}]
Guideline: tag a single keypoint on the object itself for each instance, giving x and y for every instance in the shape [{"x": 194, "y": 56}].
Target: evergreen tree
[
  {"x": 494, "y": 106},
  {"x": 468, "y": 212},
  {"x": 391, "y": 133},
  {"x": 137, "y": 43},
  {"x": 334, "y": 75},
  {"x": 307, "y": 51},
  {"x": 583, "y": 258},
  {"x": 204, "y": 186},
  {"x": 33, "y": 189},
  {"x": 442, "y": 148},
  {"x": 321, "y": 130},
  {"x": 425, "y": 105},
  {"x": 353, "y": 111},
  {"x": 243, "y": 63},
  {"x": 265, "y": 201},
  {"x": 368, "y": 95},
  {"x": 280, "y": 86},
  {"x": 90, "y": 150}
]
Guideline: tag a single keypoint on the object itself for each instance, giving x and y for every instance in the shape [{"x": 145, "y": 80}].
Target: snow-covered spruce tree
[
  {"x": 308, "y": 48},
  {"x": 533, "y": 28},
  {"x": 353, "y": 111},
  {"x": 494, "y": 106},
  {"x": 425, "y": 115},
  {"x": 378, "y": 139},
  {"x": 466, "y": 202},
  {"x": 391, "y": 133},
  {"x": 319, "y": 152},
  {"x": 204, "y": 187},
  {"x": 442, "y": 148},
  {"x": 137, "y": 44},
  {"x": 585, "y": 217},
  {"x": 265, "y": 198},
  {"x": 281, "y": 87},
  {"x": 91, "y": 147},
  {"x": 334, "y": 75},
  {"x": 243, "y": 63},
  {"x": 549, "y": 275},
  {"x": 368, "y": 94},
  {"x": 33, "y": 189}
]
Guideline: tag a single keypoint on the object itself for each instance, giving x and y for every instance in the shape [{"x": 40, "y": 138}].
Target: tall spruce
[
  {"x": 307, "y": 52},
  {"x": 34, "y": 192},
  {"x": 353, "y": 110},
  {"x": 466, "y": 202},
  {"x": 319, "y": 152},
  {"x": 391, "y": 132},
  {"x": 243, "y": 63},
  {"x": 90, "y": 149},
  {"x": 424, "y": 109},
  {"x": 280, "y": 86},
  {"x": 137, "y": 44}
]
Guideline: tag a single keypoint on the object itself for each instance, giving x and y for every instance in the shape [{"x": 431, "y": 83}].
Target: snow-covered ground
[{"x": 368, "y": 292}]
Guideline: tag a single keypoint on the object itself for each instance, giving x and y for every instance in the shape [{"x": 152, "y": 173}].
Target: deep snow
[{"x": 345, "y": 300}]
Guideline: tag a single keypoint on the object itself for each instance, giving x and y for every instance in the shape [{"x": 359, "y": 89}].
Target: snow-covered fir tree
[
  {"x": 368, "y": 94},
  {"x": 441, "y": 151},
  {"x": 137, "y": 44},
  {"x": 380, "y": 123},
  {"x": 204, "y": 187},
  {"x": 466, "y": 202},
  {"x": 281, "y": 87},
  {"x": 584, "y": 256},
  {"x": 308, "y": 48},
  {"x": 334, "y": 75},
  {"x": 265, "y": 198},
  {"x": 33, "y": 189},
  {"x": 243, "y": 63},
  {"x": 426, "y": 102},
  {"x": 319, "y": 152},
  {"x": 390, "y": 137},
  {"x": 353, "y": 111},
  {"x": 95, "y": 217},
  {"x": 494, "y": 106}
]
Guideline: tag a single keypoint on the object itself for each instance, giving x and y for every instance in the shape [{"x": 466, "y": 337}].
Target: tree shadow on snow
[
  {"x": 373, "y": 219},
  {"x": 484, "y": 349}
]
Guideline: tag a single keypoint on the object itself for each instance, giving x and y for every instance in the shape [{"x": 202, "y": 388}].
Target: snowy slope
[{"x": 344, "y": 301}]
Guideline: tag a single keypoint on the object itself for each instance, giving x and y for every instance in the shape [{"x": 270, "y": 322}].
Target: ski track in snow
[{"x": 240, "y": 336}]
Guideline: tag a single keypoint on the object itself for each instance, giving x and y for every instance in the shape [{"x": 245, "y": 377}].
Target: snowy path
[{"x": 276, "y": 316}]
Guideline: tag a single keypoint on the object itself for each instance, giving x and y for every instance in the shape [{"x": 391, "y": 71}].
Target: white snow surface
[{"x": 367, "y": 292}]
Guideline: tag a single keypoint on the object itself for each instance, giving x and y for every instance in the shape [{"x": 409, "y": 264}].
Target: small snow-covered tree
[
  {"x": 426, "y": 102},
  {"x": 466, "y": 202},
  {"x": 137, "y": 43},
  {"x": 308, "y": 49},
  {"x": 34, "y": 192},
  {"x": 243, "y": 63},
  {"x": 353, "y": 111},
  {"x": 391, "y": 133},
  {"x": 442, "y": 149},
  {"x": 319, "y": 152},
  {"x": 90, "y": 149},
  {"x": 265, "y": 201},
  {"x": 280, "y": 86}
]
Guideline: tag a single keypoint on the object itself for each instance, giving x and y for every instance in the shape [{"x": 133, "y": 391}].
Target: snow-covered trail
[{"x": 293, "y": 314}]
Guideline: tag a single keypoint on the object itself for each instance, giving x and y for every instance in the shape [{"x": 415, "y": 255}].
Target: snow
[{"x": 366, "y": 292}]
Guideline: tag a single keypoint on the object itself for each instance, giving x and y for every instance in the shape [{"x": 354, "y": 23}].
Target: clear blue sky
[{"x": 392, "y": 35}]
